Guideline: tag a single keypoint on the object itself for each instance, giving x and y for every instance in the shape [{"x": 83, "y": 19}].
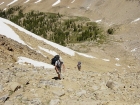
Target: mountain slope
[
  {"x": 25, "y": 84},
  {"x": 38, "y": 47},
  {"x": 110, "y": 72},
  {"x": 109, "y": 11}
]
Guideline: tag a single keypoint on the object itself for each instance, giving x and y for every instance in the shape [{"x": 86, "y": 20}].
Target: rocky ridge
[{"x": 28, "y": 85}]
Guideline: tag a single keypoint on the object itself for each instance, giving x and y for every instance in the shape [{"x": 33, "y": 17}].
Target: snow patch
[
  {"x": 1, "y": 3},
  {"x": 38, "y": 1},
  {"x": 9, "y": 33},
  {"x": 117, "y": 59},
  {"x": 4, "y": 9},
  {"x": 73, "y": 1},
  {"x": 128, "y": 66},
  {"x": 135, "y": 20},
  {"x": 23, "y": 60},
  {"x": 97, "y": 21},
  {"x": 26, "y": 1},
  {"x": 106, "y": 60},
  {"x": 12, "y": 2},
  {"x": 117, "y": 64},
  {"x": 30, "y": 47},
  {"x": 134, "y": 50},
  {"x": 89, "y": 56},
  {"x": 88, "y": 6},
  {"x": 57, "y": 2}
]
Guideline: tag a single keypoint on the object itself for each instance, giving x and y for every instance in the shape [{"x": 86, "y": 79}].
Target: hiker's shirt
[
  {"x": 58, "y": 64},
  {"x": 79, "y": 66}
]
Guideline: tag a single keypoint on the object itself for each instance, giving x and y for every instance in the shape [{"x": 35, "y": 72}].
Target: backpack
[
  {"x": 54, "y": 59},
  {"x": 79, "y": 63}
]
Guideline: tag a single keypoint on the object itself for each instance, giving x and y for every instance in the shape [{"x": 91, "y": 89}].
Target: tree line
[{"x": 55, "y": 27}]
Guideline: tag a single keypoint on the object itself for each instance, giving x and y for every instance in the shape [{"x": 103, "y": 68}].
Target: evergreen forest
[{"x": 56, "y": 27}]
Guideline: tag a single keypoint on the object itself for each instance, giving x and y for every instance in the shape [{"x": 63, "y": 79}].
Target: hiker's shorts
[
  {"x": 59, "y": 69},
  {"x": 79, "y": 67}
]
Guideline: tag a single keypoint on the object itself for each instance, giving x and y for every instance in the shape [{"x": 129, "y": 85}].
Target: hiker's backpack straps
[
  {"x": 54, "y": 59},
  {"x": 59, "y": 63}
]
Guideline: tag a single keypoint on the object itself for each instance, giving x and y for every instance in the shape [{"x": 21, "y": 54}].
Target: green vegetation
[
  {"x": 56, "y": 27},
  {"x": 110, "y": 31}
]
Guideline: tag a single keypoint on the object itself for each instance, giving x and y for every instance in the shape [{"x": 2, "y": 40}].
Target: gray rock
[
  {"x": 13, "y": 86},
  {"x": 110, "y": 84},
  {"x": 59, "y": 93},
  {"x": 54, "y": 102},
  {"x": 9, "y": 103},
  {"x": 95, "y": 88},
  {"x": 35, "y": 102},
  {"x": 1, "y": 88},
  {"x": 4, "y": 97},
  {"x": 82, "y": 92}
]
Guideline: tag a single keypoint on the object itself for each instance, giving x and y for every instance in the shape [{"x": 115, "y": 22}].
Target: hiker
[
  {"x": 58, "y": 66},
  {"x": 79, "y": 66}
]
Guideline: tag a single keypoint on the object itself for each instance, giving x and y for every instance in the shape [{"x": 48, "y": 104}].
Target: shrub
[{"x": 110, "y": 31}]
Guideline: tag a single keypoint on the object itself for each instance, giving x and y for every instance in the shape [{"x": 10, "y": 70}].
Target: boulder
[
  {"x": 82, "y": 92},
  {"x": 110, "y": 84},
  {"x": 54, "y": 102},
  {"x": 13, "y": 86},
  {"x": 59, "y": 93},
  {"x": 4, "y": 96}
]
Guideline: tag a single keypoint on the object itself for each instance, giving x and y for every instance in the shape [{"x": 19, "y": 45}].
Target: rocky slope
[
  {"x": 27, "y": 85},
  {"x": 109, "y": 11},
  {"x": 100, "y": 82}
]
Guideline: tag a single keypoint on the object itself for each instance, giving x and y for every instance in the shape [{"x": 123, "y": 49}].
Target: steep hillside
[
  {"x": 109, "y": 11},
  {"x": 26, "y": 85},
  {"x": 123, "y": 16},
  {"x": 35, "y": 49},
  {"x": 110, "y": 72}
]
